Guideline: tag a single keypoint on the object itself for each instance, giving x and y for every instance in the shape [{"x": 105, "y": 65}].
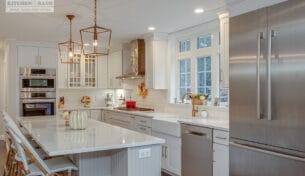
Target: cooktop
[{"x": 135, "y": 109}]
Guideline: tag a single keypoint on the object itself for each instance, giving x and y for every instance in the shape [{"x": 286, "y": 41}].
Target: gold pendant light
[
  {"x": 70, "y": 51},
  {"x": 95, "y": 40}
]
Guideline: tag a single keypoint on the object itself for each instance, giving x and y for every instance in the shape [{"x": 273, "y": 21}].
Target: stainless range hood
[{"x": 133, "y": 60}]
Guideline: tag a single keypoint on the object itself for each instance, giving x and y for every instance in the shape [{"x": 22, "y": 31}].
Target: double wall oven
[{"x": 37, "y": 92}]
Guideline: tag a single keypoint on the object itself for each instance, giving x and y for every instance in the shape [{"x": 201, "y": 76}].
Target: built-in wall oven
[{"x": 37, "y": 92}]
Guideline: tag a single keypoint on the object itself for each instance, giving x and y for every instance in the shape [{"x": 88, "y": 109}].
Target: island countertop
[{"x": 57, "y": 139}]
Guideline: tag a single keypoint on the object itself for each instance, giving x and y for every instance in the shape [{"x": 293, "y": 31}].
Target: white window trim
[{"x": 192, "y": 34}]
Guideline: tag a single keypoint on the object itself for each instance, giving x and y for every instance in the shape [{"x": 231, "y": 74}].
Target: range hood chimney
[{"x": 133, "y": 60}]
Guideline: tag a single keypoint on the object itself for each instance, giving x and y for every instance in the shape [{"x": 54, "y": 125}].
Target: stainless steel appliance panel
[
  {"x": 248, "y": 41},
  {"x": 286, "y": 125},
  {"x": 37, "y": 84},
  {"x": 253, "y": 161},
  {"x": 37, "y": 107},
  {"x": 197, "y": 151},
  {"x": 37, "y": 72}
]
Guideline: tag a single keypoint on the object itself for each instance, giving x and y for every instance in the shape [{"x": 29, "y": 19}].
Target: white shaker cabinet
[
  {"x": 37, "y": 56},
  {"x": 48, "y": 57},
  {"x": 156, "y": 61},
  {"x": 96, "y": 115},
  {"x": 224, "y": 49},
  {"x": 114, "y": 69},
  {"x": 27, "y": 56},
  {"x": 221, "y": 153},
  {"x": 102, "y": 72},
  {"x": 171, "y": 153}
]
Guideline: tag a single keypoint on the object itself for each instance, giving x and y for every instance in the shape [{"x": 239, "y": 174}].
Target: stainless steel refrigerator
[{"x": 267, "y": 91}]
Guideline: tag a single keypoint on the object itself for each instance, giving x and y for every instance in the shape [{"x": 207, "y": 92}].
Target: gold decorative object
[
  {"x": 61, "y": 103},
  {"x": 69, "y": 49},
  {"x": 95, "y": 39},
  {"x": 86, "y": 100},
  {"x": 142, "y": 90},
  {"x": 197, "y": 99}
]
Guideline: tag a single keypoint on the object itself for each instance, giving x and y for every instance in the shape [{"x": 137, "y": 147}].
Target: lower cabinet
[
  {"x": 221, "y": 160},
  {"x": 171, "y": 153},
  {"x": 221, "y": 153},
  {"x": 96, "y": 114}
]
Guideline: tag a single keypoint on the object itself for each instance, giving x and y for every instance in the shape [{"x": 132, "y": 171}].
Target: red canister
[{"x": 130, "y": 104}]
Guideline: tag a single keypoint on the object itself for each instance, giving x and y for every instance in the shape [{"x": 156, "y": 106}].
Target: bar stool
[{"x": 39, "y": 167}]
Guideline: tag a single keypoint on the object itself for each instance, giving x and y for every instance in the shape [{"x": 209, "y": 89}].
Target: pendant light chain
[{"x": 95, "y": 4}]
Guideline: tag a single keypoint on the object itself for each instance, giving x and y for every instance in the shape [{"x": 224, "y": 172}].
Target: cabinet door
[
  {"x": 224, "y": 49},
  {"x": 156, "y": 74},
  {"x": 102, "y": 72},
  {"x": 48, "y": 57},
  {"x": 221, "y": 160},
  {"x": 27, "y": 56},
  {"x": 96, "y": 115},
  {"x": 114, "y": 69},
  {"x": 62, "y": 72},
  {"x": 171, "y": 153}
]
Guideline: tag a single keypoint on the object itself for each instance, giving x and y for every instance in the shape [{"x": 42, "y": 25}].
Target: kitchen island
[{"x": 100, "y": 150}]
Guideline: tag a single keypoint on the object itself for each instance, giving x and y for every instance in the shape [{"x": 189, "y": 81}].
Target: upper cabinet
[
  {"x": 114, "y": 69},
  {"x": 224, "y": 49},
  {"x": 156, "y": 47},
  {"x": 81, "y": 74},
  {"x": 37, "y": 56},
  {"x": 102, "y": 72}
]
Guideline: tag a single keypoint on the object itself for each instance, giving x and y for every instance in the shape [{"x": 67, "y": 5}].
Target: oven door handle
[{"x": 38, "y": 100}]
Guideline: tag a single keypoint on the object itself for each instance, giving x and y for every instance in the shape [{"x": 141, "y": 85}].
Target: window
[
  {"x": 184, "y": 45},
  {"x": 204, "y": 75},
  {"x": 204, "y": 41},
  {"x": 185, "y": 76},
  {"x": 197, "y": 64}
]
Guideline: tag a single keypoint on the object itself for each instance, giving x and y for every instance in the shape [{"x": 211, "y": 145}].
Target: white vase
[{"x": 79, "y": 120}]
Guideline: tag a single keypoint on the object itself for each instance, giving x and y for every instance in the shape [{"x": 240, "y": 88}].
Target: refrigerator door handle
[
  {"x": 268, "y": 152},
  {"x": 260, "y": 36},
  {"x": 271, "y": 34}
]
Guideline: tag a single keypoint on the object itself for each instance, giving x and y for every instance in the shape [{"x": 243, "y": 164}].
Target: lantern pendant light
[
  {"x": 95, "y": 40},
  {"x": 70, "y": 51}
]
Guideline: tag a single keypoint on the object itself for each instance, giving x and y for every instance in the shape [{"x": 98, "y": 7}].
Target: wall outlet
[{"x": 145, "y": 153}]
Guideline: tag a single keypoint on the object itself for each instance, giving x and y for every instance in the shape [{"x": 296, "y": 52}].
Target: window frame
[{"x": 195, "y": 53}]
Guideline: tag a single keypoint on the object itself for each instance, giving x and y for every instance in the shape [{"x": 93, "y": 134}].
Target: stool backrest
[
  {"x": 26, "y": 145},
  {"x": 18, "y": 145}
]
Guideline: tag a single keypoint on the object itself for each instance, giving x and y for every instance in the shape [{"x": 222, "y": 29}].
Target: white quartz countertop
[
  {"x": 216, "y": 123},
  {"x": 81, "y": 108},
  {"x": 207, "y": 122},
  {"x": 57, "y": 139}
]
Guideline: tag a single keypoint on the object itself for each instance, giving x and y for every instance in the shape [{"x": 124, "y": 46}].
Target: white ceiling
[{"x": 128, "y": 19}]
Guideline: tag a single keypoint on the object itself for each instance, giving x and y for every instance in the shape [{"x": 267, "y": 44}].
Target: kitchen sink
[{"x": 167, "y": 125}]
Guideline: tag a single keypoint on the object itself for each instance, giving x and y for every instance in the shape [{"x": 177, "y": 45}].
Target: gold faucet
[
  {"x": 194, "y": 110},
  {"x": 184, "y": 95}
]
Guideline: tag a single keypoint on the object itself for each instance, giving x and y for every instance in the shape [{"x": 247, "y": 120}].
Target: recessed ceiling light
[
  {"x": 198, "y": 10},
  {"x": 151, "y": 28},
  {"x": 86, "y": 44}
]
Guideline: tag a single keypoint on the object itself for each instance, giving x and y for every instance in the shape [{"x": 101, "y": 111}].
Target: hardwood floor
[{"x": 2, "y": 156}]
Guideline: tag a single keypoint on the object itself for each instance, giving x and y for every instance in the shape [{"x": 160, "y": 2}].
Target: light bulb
[
  {"x": 70, "y": 54},
  {"x": 95, "y": 43}
]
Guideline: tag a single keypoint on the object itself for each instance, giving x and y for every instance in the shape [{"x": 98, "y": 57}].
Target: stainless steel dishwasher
[{"x": 197, "y": 151}]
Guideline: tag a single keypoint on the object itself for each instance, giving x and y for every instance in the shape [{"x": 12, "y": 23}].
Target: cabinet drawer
[
  {"x": 144, "y": 121},
  {"x": 143, "y": 129},
  {"x": 221, "y": 137}
]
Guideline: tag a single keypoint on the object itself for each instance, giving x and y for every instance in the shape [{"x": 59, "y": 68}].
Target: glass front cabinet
[{"x": 82, "y": 73}]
